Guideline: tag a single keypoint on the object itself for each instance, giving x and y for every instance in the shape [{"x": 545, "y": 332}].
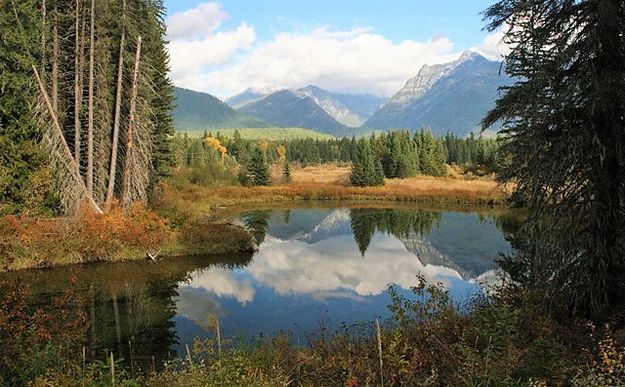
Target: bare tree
[
  {"x": 55, "y": 60},
  {"x": 90, "y": 113},
  {"x": 77, "y": 83},
  {"x": 43, "y": 36},
  {"x": 72, "y": 188},
  {"x": 118, "y": 97},
  {"x": 126, "y": 194}
]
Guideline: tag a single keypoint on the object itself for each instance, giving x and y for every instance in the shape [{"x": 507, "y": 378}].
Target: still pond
[{"x": 316, "y": 270}]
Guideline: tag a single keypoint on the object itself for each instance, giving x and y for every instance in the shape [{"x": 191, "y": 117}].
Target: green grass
[{"x": 266, "y": 133}]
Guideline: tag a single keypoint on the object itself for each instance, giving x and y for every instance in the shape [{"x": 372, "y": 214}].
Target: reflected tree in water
[
  {"x": 400, "y": 223},
  {"x": 363, "y": 223},
  {"x": 104, "y": 307}
]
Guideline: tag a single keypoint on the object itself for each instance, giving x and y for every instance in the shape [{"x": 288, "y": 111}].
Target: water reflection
[
  {"x": 312, "y": 266},
  {"x": 402, "y": 224}
]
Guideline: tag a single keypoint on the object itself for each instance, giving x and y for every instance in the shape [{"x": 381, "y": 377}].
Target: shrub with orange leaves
[
  {"x": 39, "y": 242},
  {"x": 37, "y": 339},
  {"x": 108, "y": 235}
]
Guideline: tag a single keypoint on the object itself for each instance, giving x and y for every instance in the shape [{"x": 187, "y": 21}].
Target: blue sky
[{"x": 343, "y": 45}]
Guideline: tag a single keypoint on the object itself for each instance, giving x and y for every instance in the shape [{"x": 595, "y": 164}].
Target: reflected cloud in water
[{"x": 337, "y": 264}]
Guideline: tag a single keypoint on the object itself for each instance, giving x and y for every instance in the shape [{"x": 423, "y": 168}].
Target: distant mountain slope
[
  {"x": 249, "y": 95},
  {"x": 197, "y": 111},
  {"x": 349, "y": 110},
  {"x": 286, "y": 109},
  {"x": 450, "y": 97}
]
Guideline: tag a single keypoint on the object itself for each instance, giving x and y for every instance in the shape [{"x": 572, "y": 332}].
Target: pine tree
[
  {"x": 363, "y": 225},
  {"x": 89, "y": 83},
  {"x": 258, "y": 169},
  {"x": 286, "y": 172},
  {"x": 22, "y": 161},
  {"x": 564, "y": 126},
  {"x": 366, "y": 169}
]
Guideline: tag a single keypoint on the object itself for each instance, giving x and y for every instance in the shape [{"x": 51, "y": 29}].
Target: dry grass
[
  {"x": 328, "y": 182},
  {"x": 326, "y": 173}
]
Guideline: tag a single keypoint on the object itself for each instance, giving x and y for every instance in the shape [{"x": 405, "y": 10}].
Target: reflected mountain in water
[
  {"x": 461, "y": 241},
  {"x": 313, "y": 267}
]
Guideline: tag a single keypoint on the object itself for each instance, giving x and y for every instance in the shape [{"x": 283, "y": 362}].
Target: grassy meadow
[{"x": 325, "y": 182}]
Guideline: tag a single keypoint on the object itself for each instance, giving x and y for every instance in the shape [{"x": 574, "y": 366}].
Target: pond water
[{"x": 315, "y": 269}]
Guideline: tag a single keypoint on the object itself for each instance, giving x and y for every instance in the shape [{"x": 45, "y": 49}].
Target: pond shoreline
[{"x": 192, "y": 219}]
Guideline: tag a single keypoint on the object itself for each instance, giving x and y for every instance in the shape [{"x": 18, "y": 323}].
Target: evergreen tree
[
  {"x": 286, "y": 172},
  {"x": 258, "y": 169},
  {"x": 363, "y": 228},
  {"x": 100, "y": 105},
  {"x": 564, "y": 126},
  {"x": 366, "y": 169},
  {"x": 22, "y": 161},
  {"x": 258, "y": 223}
]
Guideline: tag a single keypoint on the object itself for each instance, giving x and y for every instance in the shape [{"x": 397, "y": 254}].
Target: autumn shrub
[
  {"x": 607, "y": 364},
  {"x": 27, "y": 241},
  {"x": 108, "y": 235},
  {"x": 34, "y": 340}
]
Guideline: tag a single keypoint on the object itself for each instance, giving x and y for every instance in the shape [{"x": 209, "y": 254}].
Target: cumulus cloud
[
  {"x": 348, "y": 61},
  {"x": 196, "y": 44},
  {"x": 190, "y": 58},
  {"x": 223, "y": 283},
  {"x": 195, "y": 22},
  {"x": 492, "y": 46},
  {"x": 207, "y": 57},
  {"x": 293, "y": 267}
]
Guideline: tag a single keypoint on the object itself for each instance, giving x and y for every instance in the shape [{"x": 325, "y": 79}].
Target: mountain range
[
  {"x": 451, "y": 97},
  {"x": 196, "y": 111},
  {"x": 348, "y": 109},
  {"x": 286, "y": 108}
]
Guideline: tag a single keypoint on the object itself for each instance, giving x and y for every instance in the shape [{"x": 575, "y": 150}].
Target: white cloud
[
  {"x": 190, "y": 58},
  {"x": 492, "y": 46},
  {"x": 195, "y": 22},
  {"x": 206, "y": 57},
  {"x": 196, "y": 44},
  {"x": 295, "y": 267},
  {"x": 348, "y": 61}
]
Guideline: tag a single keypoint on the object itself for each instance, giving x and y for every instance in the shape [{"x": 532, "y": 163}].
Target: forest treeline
[
  {"x": 85, "y": 105},
  {"x": 394, "y": 154}
]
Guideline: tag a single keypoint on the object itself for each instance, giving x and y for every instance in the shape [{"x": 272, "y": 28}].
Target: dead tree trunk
[
  {"x": 55, "y": 61},
  {"x": 131, "y": 123},
  {"x": 43, "y": 37},
  {"x": 118, "y": 97},
  {"x": 74, "y": 171},
  {"x": 77, "y": 84},
  {"x": 90, "y": 113}
]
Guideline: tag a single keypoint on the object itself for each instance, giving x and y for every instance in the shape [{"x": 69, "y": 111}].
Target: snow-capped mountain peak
[{"x": 426, "y": 78}]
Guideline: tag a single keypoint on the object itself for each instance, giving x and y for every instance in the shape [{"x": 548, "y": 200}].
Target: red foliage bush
[{"x": 27, "y": 242}]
